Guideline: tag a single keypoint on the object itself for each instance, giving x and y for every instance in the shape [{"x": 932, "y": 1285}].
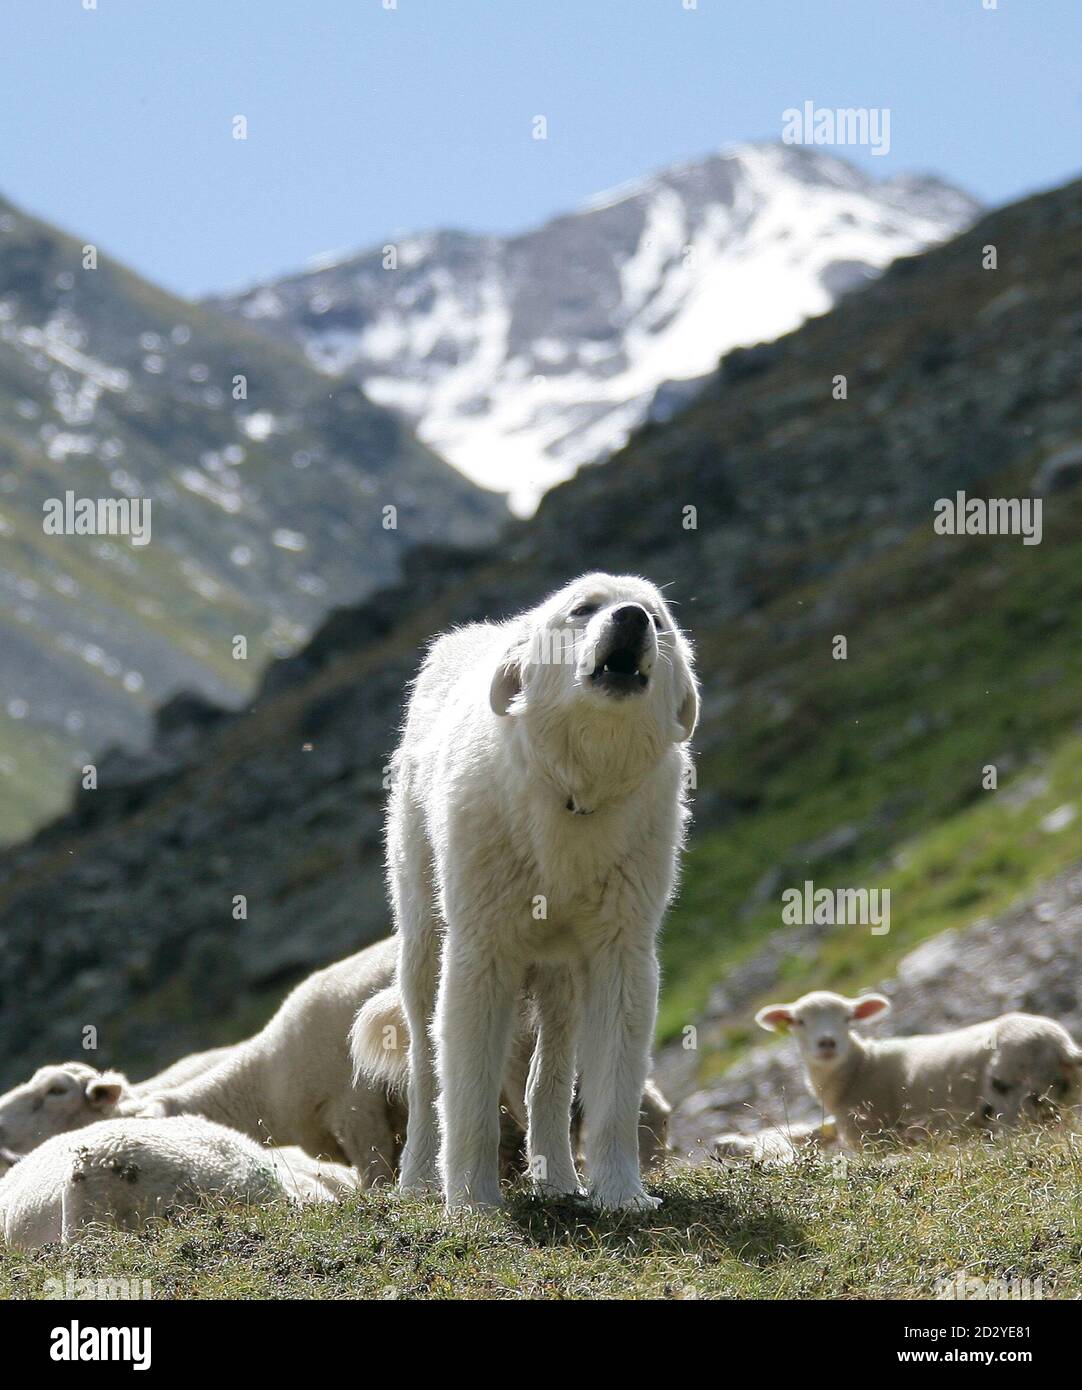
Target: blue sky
[{"x": 365, "y": 122}]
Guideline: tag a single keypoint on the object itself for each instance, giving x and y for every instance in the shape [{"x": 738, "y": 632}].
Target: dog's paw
[
  {"x": 633, "y": 1201},
  {"x": 420, "y": 1188},
  {"x": 558, "y": 1192}
]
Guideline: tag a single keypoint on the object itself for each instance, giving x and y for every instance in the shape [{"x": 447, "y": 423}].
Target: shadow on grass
[{"x": 711, "y": 1218}]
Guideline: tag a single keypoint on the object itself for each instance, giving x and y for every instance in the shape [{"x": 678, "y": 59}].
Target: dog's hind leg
[
  {"x": 551, "y": 1082},
  {"x": 409, "y": 875},
  {"x": 619, "y": 1009},
  {"x": 477, "y": 1000}
]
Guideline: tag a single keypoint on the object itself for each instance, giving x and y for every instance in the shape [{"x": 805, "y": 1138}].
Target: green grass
[{"x": 886, "y": 1227}]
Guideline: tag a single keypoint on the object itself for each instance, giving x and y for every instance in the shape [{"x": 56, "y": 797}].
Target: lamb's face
[
  {"x": 55, "y": 1099},
  {"x": 608, "y": 643},
  {"x": 820, "y": 1023},
  {"x": 1032, "y": 1079}
]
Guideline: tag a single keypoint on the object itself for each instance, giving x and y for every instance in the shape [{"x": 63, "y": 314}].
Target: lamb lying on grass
[
  {"x": 989, "y": 1075},
  {"x": 71, "y": 1095},
  {"x": 68, "y": 1097},
  {"x": 122, "y": 1172},
  {"x": 293, "y": 1082},
  {"x": 58, "y": 1099}
]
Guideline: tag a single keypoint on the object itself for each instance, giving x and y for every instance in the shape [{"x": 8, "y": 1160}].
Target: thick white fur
[
  {"x": 989, "y": 1075},
  {"x": 123, "y": 1171},
  {"x": 497, "y": 884}
]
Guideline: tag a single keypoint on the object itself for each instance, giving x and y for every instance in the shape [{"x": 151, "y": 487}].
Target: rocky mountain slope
[
  {"x": 265, "y": 511},
  {"x": 812, "y": 517},
  {"x": 521, "y": 358}
]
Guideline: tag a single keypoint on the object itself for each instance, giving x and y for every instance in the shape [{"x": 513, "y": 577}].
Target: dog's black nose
[{"x": 631, "y": 617}]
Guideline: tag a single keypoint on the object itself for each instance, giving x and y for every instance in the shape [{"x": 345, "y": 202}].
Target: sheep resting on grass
[{"x": 988, "y": 1076}]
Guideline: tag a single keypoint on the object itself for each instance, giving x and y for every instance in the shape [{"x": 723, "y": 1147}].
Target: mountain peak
[{"x": 519, "y": 359}]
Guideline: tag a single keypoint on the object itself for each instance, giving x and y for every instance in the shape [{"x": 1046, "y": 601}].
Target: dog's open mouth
[{"x": 619, "y": 672}]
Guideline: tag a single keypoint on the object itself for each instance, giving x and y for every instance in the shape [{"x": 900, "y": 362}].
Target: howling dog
[{"x": 533, "y": 834}]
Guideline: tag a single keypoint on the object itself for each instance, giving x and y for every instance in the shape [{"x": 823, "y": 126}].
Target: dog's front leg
[
  {"x": 614, "y": 1060},
  {"x": 551, "y": 1083},
  {"x": 473, "y": 1018}
]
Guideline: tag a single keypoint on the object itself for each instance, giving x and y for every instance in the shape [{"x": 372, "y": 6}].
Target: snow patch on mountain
[{"x": 521, "y": 359}]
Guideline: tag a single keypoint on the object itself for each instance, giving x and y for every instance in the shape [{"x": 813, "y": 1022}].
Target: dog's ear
[
  {"x": 507, "y": 680},
  {"x": 687, "y": 697}
]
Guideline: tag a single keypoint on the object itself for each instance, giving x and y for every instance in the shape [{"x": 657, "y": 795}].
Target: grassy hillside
[
  {"x": 868, "y": 771},
  {"x": 878, "y": 1228}
]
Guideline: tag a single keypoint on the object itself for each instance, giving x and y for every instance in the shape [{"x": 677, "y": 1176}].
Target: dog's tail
[{"x": 379, "y": 1040}]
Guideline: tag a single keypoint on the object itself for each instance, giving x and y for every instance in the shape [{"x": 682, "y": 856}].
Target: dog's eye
[
  {"x": 57, "y": 1090},
  {"x": 1001, "y": 1086},
  {"x": 583, "y": 610}
]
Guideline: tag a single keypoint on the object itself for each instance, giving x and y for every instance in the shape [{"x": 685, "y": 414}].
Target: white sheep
[
  {"x": 987, "y": 1075},
  {"x": 121, "y": 1172},
  {"x": 57, "y": 1099},
  {"x": 296, "y": 1081},
  {"x": 292, "y": 1084},
  {"x": 69, "y": 1095}
]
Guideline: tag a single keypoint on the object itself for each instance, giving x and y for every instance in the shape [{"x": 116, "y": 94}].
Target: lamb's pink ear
[
  {"x": 103, "y": 1092},
  {"x": 775, "y": 1018},
  {"x": 868, "y": 1006}
]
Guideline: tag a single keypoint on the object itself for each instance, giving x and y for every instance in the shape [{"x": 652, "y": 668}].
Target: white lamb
[
  {"x": 71, "y": 1095},
  {"x": 293, "y": 1082},
  {"x": 122, "y": 1172},
  {"x": 987, "y": 1075},
  {"x": 58, "y": 1099}
]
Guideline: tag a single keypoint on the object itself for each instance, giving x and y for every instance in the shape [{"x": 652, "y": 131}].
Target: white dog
[{"x": 534, "y": 824}]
